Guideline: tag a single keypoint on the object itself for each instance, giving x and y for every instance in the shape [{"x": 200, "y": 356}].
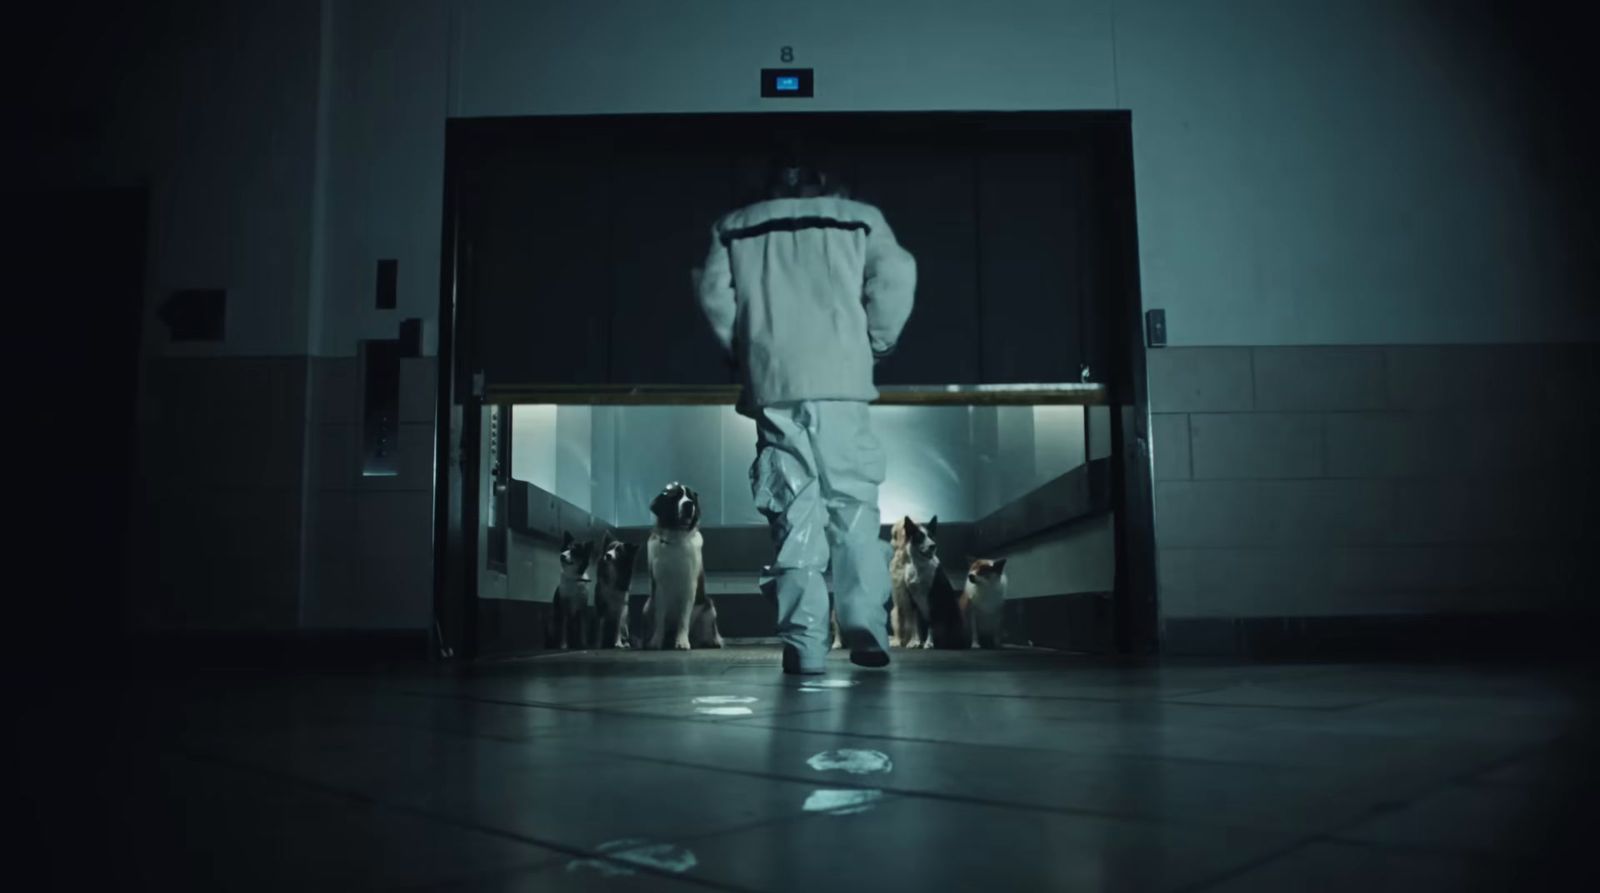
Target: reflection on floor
[{"x": 1021, "y": 770}]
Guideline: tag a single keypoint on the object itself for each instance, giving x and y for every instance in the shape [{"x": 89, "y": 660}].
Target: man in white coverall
[{"x": 807, "y": 291}]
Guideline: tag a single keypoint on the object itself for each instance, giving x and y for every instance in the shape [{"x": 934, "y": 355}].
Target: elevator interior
[{"x": 1017, "y": 482}]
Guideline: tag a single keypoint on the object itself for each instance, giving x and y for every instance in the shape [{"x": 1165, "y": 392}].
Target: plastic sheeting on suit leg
[{"x": 816, "y": 476}]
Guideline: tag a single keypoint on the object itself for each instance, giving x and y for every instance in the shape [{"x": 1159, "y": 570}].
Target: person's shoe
[
  {"x": 793, "y": 666},
  {"x": 872, "y": 657},
  {"x": 864, "y": 648}
]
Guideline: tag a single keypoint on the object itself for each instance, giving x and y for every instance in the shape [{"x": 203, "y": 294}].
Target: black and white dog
[
  {"x": 613, "y": 579},
  {"x": 678, "y": 602},
  {"x": 572, "y": 611}
]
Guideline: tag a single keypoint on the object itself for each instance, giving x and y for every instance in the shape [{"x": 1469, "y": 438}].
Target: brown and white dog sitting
[
  {"x": 613, "y": 579},
  {"x": 983, "y": 602},
  {"x": 678, "y": 602},
  {"x": 571, "y": 614},
  {"x": 913, "y": 567}
]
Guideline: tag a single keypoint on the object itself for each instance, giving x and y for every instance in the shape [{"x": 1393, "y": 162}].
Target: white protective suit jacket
[{"x": 806, "y": 294}]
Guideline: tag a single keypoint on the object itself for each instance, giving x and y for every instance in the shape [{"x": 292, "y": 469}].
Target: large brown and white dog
[
  {"x": 678, "y": 602},
  {"x": 913, "y": 567}
]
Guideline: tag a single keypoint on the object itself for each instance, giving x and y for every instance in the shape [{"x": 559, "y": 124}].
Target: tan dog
[
  {"x": 983, "y": 602},
  {"x": 912, "y": 568}
]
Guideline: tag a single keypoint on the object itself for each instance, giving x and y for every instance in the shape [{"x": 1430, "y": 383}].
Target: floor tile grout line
[
  {"x": 746, "y": 723},
  {"x": 1336, "y": 708},
  {"x": 911, "y": 794},
  {"x": 614, "y": 714},
  {"x": 1172, "y": 699},
  {"x": 792, "y": 818},
  {"x": 402, "y": 809},
  {"x": 904, "y": 792},
  {"x": 754, "y": 722}
]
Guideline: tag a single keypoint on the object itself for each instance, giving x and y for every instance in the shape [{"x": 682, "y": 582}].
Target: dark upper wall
[{"x": 213, "y": 107}]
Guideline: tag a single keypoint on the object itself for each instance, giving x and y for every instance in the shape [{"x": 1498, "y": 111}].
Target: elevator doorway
[{"x": 567, "y": 318}]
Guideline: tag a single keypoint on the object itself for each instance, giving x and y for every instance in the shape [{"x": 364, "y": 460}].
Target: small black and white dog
[
  {"x": 613, "y": 578},
  {"x": 678, "y": 602},
  {"x": 572, "y": 610}
]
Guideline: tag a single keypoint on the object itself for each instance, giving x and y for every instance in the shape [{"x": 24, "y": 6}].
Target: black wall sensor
[{"x": 1155, "y": 326}]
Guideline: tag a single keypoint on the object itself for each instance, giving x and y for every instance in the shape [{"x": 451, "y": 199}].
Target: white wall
[
  {"x": 1324, "y": 171},
  {"x": 621, "y": 56},
  {"x": 1076, "y": 559},
  {"x": 381, "y": 171},
  {"x": 554, "y": 449},
  {"x": 711, "y": 448},
  {"x": 1335, "y": 173},
  {"x": 534, "y": 433},
  {"x": 1017, "y": 449},
  {"x": 942, "y": 460},
  {"x": 931, "y": 462}
]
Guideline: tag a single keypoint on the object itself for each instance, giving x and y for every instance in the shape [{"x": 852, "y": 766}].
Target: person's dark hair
[{"x": 798, "y": 176}]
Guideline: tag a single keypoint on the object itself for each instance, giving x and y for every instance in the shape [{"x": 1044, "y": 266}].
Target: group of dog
[
  {"x": 678, "y": 604},
  {"x": 926, "y": 611}
]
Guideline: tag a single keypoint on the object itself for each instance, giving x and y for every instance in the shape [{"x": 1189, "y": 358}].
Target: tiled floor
[{"x": 1022, "y": 770}]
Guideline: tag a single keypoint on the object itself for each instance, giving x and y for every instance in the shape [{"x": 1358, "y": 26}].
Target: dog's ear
[
  {"x": 566, "y": 539},
  {"x": 1000, "y": 566},
  {"x": 933, "y": 526},
  {"x": 693, "y": 496}
]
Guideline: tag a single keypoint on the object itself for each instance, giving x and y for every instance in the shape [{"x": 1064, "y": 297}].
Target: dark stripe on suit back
[{"x": 792, "y": 225}]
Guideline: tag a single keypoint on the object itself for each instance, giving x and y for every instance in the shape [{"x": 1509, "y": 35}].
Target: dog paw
[{"x": 681, "y": 645}]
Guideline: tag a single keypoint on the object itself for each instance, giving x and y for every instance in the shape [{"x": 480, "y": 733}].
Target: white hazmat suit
[{"x": 807, "y": 294}]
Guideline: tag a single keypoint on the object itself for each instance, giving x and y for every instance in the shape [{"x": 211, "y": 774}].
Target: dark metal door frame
[{"x": 459, "y": 408}]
